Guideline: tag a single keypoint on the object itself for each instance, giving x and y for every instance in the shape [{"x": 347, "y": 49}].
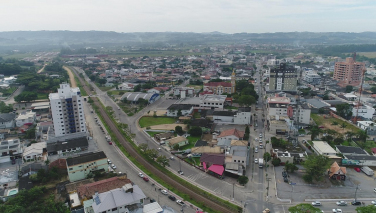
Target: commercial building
[
  {"x": 219, "y": 88},
  {"x": 368, "y": 126},
  {"x": 183, "y": 92},
  {"x": 283, "y": 78},
  {"x": 313, "y": 79},
  {"x": 9, "y": 148},
  {"x": 34, "y": 151},
  {"x": 67, "y": 110},
  {"x": 135, "y": 96},
  {"x": 323, "y": 148},
  {"x": 348, "y": 72},
  {"x": 213, "y": 101},
  {"x": 242, "y": 117},
  {"x": 173, "y": 110},
  {"x": 79, "y": 167}
]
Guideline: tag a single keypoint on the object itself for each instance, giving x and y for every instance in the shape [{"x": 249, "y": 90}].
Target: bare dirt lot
[{"x": 168, "y": 127}]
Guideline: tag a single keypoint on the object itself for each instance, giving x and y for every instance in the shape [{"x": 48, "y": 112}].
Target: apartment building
[
  {"x": 348, "y": 72},
  {"x": 67, "y": 110},
  {"x": 312, "y": 79},
  {"x": 283, "y": 78},
  {"x": 10, "y": 148},
  {"x": 79, "y": 167}
]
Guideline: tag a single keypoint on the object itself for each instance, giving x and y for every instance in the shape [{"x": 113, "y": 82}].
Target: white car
[
  {"x": 260, "y": 135},
  {"x": 163, "y": 191},
  {"x": 171, "y": 158},
  {"x": 337, "y": 210},
  {"x": 256, "y": 161},
  {"x": 373, "y": 202},
  {"x": 140, "y": 175},
  {"x": 113, "y": 166},
  {"x": 256, "y": 150},
  {"x": 256, "y": 139},
  {"x": 181, "y": 203},
  {"x": 316, "y": 203},
  {"x": 341, "y": 203},
  {"x": 108, "y": 161}
]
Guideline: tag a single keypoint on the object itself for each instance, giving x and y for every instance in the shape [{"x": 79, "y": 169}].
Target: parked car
[
  {"x": 373, "y": 202},
  {"x": 181, "y": 203},
  {"x": 181, "y": 172},
  {"x": 256, "y": 160},
  {"x": 256, "y": 150},
  {"x": 140, "y": 175},
  {"x": 357, "y": 169},
  {"x": 110, "y": 143},
  {"x": 108, "y": 161},
  {"x": 146, "y": 179},
  {"x": 163, "y": 191},
  {"x": 337, "y": 210},
  {"x": 171, "y": 158},
  {"x": 285, "y": 180},
  {"x": 356, "y": 203},
  {"x": 316, "y": 203},
  {"x": 374, "y": 190},
  {"x": 113, "y": 166},
  {"x": 152, "y": 200},
  {"x": 341, "y": 203},
  {"x": 13, "y": 161},
  {"x": 284, "y": 174},
  {"x": 171, "y": 197}
]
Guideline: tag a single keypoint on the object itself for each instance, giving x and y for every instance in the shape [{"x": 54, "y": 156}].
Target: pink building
[{"x": 348, "y": 72}]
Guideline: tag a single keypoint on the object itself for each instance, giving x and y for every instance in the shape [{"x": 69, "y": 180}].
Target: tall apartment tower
[
  {"x": 67, "y": 110},
  {"x": 283, "y": 78},
  {"x": 348, "y": 72}
]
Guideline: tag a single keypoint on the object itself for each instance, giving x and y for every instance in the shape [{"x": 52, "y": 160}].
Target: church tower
[{"x": 233, "y": 81}]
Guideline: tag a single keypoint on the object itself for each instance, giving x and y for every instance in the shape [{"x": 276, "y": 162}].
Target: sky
[{"x": 227, "y": 16}]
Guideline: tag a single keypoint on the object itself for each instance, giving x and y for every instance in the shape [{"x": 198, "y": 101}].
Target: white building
[
  {"x": 34, "y": 151},
  {"x": 312, "y": 79},
  {"x": 323, "y": 148},
  {"x": 7, "y": 120},
  {"x": 8, "y": 148},
  {"x": 213, "y": 101},
  {"x": 368, "y": 126},
  {"x": 242, "y": 117},
  {"x": 184, "y": 91},
  {"x": 173, "y": 110},
  {"x": 364, "y": 111},
  {"x": 25, "y": 118},
  {"x": 67, "y": 110}
]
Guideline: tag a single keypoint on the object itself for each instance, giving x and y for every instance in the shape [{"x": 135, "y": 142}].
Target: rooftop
[
  {"x": 6, "y": 117},
  {"x": 68, "y": 144},
  {"x": 176, "y": 140},
  {"x": 180, "y": 106},
  {"x": 241, "y": 151},
  {"x": 88, "y": 190},
  {"x": 351, "y": 150},
  {"x": 224, "y": 113},
  {"x": 237, "y": 133},
  {"x": 214, "y": 98},
  {"x": 84, "y": 158},
  {"x": 218, "y": 159}
]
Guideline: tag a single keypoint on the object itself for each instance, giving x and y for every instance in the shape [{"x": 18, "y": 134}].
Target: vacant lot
[
  {"x": 328, "y": 123},
  {"x": 152, "y": 121},
  {"x": 195, "y": 86}
]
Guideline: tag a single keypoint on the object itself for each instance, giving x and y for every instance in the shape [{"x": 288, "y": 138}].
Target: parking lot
[{"x": 298, "y": 190}]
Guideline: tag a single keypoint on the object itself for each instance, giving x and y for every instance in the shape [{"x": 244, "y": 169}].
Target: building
[
  {"x": 34, "y": 151},
  {"x": 9, "y": 148},
  {"x": 7, "y": 120},
  {"x": 174, "y": 109},
  {"x": 300, "y": 113},
  {"x": 350, "y": 150},
  {"x": 152, "y": 208},
  {"x": 364, "y": 111},
  {"x": 118, "y": 200},
  {"x": 135, "y": 96},
  {"x": 226, "y": 136},
  {"x": 283, "y": 78},
  {"x": 368, "y": 126},
  {"x": 79, "y": 167},
  {"x": 65, "y": 146},
  {"x": 67, "y": 110},
  {"x": 239, "y": 154},
  {"x": 242, "y": 117},
  {"x": 313, "y": 79},
  {"x": 323, "y": 148},
  {"x": 86, "y": 191},
  {"x": 183, "y": 92},
  {"x": 213, "y": 101},
  {"x": 180, "y": 140},
  {"x": 219, "y": 88},
  {"x": 337, "y": 172},
  {"x": 348, "y": 72},
  {"x": 25, "y": 118}
]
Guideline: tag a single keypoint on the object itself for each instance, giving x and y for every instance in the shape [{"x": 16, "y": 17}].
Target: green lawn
[
  {"x": 368, "y": 145},
  {"x": 151, "y": 121},
  {"x": 197, "y": 115},
  {"x": 195, "y": 86},
  {"x": 191, "y": 142},
  {"x": 153, "y": 133},
  {"x": 42, "y": 96},
  {"x": 195, "y": 161}
]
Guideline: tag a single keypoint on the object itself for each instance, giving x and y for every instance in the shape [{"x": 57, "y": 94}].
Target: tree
[
  {"x": 176, "y": 147},
  {"x": 179, "y": 113},
  {"x": 242, "y": 180},
  {"x": 349, "y": 88},
  {"x": 316, "y": 166},
  {"x": 315, "y": 131},
  {"x": 5, "y": 108},
  {"x": 325, "y": 97},
  {"x": 179, "y": 130},
  {"x": 366, "y": 209},
  {"x": 344, "y": 110},
  {"x": 26, "y": 96},
  {"x": 143, "y": 147},
  {"x": 195, "y": 131},
  {"x": 373, "y": 89},
  {"x": 102, "y": 81},
  {"x": 304, "y": 208},
  {"x": 152, "y": 153},
  {"x": 290, "y": 167},
  {"x": 246, "y": 133},
  {"x": 267, "y": 157},
  {"x": 343, "y": 125},
  {"x": 276, "y": 161},
  {"x": 362, "y": 135},
  {"x": 349, "y": 135},
  {"x": 246, "y": 100},
  {"x": 163, "y": 160}
]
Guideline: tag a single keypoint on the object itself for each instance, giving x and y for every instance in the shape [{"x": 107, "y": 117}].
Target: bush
[
  {"x": 276, "y": 161},
  {"x": 242, "y": 180}
]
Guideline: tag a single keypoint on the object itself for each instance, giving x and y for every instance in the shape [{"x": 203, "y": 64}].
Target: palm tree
[
  {"x": 343, "y": 125},
  {"x": 362, "y": 135},
  {"x": 349, "y": 135},
  {"x": 315, "y": 131}
]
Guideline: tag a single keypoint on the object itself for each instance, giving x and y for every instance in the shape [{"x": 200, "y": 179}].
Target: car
[
  {"x": 285, "y": 180},
  {"x": 171, "y": 197},
  {"x": 256, "y": 139},
  {"x": 337, "y": 210},
  {"x": 110, "y": 143},
  {"x": 256, "y": 150},
  {"x": 260, "y": 140},
  {"x": 141, "y": 175},
  {"x": 316, "y": 203},
  {"x": 341, "y": 203},
  {"x": 256, "y": 160},
  {"x": 118, "y": 108},
  {"x": 152, "y": 200},
  {"x": 164, "y": 191},
  {"x": 113, "y": 166},
  {"x": 357, "y": 169},
  {"x": 181, "y": 203},
  {"x": 108, "y": 161},
  {"x": 356, "y": 203},
  {"x": 181, "y": 172},
  {"x": 374, "y": 190},
  {"x": 373, "y": 202},
  {"x": 284, "y": 174},
  {"x": 159, "y": 149},
  {"x": 171, "y": 158},
  {"x": 146, "y": 179}
]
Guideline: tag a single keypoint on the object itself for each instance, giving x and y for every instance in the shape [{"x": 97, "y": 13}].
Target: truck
[
  {"x": 261, "y": 162},
  {"x": 368, "y": 171}
]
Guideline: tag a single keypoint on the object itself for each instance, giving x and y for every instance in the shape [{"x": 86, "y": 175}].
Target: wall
[{"x": 242, "y": 118}]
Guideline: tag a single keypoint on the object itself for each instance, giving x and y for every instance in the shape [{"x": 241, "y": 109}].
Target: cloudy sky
[{"x": 228, "y": 16}]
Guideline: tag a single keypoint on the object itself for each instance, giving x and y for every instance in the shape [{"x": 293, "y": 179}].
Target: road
[
  {"x": 10, "y": 99},
  {"x": 71, "y": 77}
]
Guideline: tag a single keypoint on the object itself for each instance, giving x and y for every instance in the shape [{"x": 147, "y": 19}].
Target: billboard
[{"x": 350, "y": 162}]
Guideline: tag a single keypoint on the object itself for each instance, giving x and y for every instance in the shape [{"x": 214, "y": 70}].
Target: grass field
[
  {"x": 195, "y": 86},
  {"x": 151, "y": 121},
  {"x": 42, "y": 96},
  {"x": 367, "y": 54},
  {"x": 327, "y": 123},
  {"x": 191, "y": 142},
  {"x": 116, "y": 92},
  {"x": 17, "y": 56},
  {"x": 153, "y": 133}
]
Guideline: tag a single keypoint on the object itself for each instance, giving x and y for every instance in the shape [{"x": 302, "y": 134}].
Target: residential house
[
  {"x": 27, "y": 118},
  {"x": 368, "y": 126},
  {"x": 86, "y": 191},
  {"x": 7, "y": 120},
  {"x": 180, "y": 140},
  {"x": 337, "y": 172},
  {"x": 239, "y": 143},
  {"x": 174, "y": 109},
  {"x": 34, "y": 151},
  {"x": 70, "y": 145},
  {"x": 118, "y": 200},
  {"x": 323, "y": 148},
  {"x": 79, "y": 167},
  {"x": 226, "y": 136},
  {"x": 165, "y": 135}
]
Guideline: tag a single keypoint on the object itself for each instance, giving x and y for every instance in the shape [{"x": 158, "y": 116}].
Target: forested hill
[{"x": 58, "y": 39}]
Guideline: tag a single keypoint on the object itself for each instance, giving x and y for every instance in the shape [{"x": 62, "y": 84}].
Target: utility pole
[
  {"x": 233, "y": 191},
  {"x": 357, "y": 186},
  {"x": 267, "y": 191}
]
